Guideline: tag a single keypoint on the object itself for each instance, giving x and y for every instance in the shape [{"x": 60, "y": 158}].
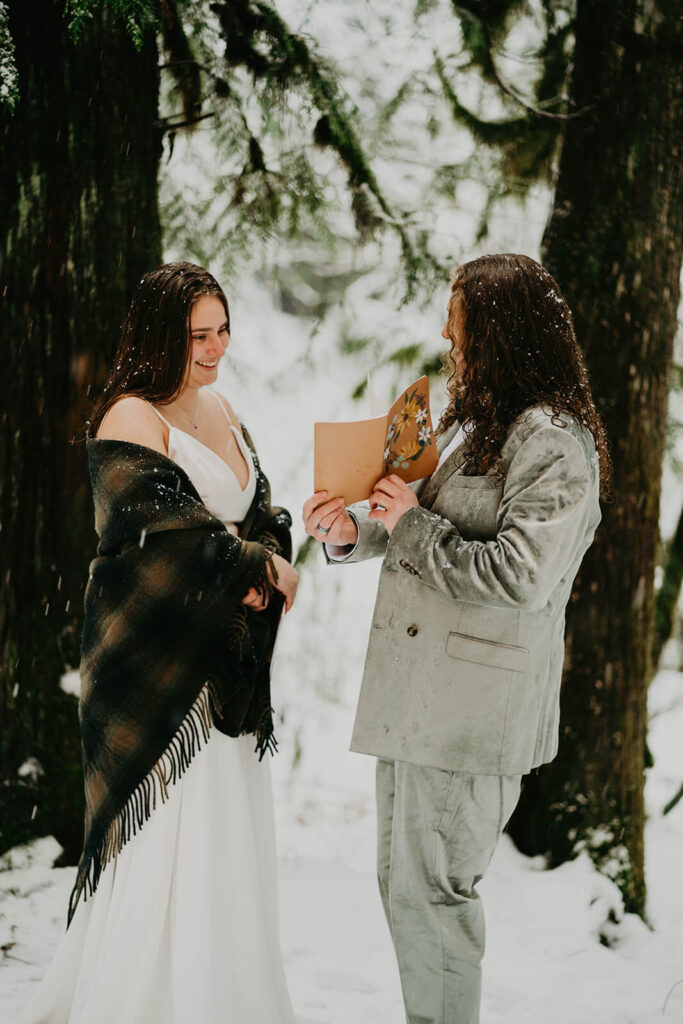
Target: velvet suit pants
[{"x": 437, "y": 831}]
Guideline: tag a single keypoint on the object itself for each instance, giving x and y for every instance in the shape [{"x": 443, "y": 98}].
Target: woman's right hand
[
  {"x": 287, "y": 582},
  {"x": 287, "y": 579},
  {"x": 338, "y": 527}
]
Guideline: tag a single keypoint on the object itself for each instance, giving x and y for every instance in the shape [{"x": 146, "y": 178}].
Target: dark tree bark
[
  {"x": 614, "y": 244},
  {"x": 79, "y": 226}
]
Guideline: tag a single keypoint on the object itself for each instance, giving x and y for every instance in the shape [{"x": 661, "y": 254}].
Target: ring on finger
[{"x": 323, "y": 529}]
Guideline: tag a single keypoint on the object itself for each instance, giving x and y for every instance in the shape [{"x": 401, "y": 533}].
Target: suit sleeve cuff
[
  {"x": 411, "y": 545},
  {"x": 340, "y": 552}
]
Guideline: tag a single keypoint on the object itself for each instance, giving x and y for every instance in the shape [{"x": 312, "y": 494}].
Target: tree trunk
[
  {"x": 613, "y": 242},
  {"x": 79, "y": 225}
]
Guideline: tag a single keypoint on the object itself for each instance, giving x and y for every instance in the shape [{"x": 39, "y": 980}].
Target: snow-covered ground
[{"x": 554, "y": 956}]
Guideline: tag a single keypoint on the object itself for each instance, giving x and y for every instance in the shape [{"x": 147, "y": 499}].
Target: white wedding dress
[{"x": 183, "y": 926}]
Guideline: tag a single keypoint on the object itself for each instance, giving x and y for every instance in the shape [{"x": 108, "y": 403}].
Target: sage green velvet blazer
[{"x": 465, "y": 655}]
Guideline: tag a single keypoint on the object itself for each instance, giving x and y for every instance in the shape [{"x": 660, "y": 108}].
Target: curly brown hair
[{"x": 520, "y": 350}]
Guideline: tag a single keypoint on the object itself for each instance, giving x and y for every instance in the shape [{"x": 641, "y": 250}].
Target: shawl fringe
[{"x": 192, "y": 736}]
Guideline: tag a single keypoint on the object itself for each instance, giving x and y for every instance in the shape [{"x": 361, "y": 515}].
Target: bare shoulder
[
  {"x": 133, "y": 419},
  {"x": 228, "y": 408}
]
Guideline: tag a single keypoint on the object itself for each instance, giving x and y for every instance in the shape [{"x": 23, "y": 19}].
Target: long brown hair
[
  {"x": 520, "y": 350},
  {"x": 154, "y": 351}
]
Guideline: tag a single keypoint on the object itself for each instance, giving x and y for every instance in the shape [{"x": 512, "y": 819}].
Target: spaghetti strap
[
  {"x": 223, "y": 407},
  {"x": 162, "y": 418}
]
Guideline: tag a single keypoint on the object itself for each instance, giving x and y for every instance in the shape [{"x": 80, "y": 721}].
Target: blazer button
[{"x": 412, "y": 631}]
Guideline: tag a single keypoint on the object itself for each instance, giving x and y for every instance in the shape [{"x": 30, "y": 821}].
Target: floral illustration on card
[{"x": 409, "y": 432}]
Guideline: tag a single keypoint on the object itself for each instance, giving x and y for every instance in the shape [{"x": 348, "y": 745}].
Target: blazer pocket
[{"x": 487, "y": 652}]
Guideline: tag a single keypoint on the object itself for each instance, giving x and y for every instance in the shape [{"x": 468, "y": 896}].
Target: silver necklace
[
  {"x": 188, "y": 417},
  {"x": 231, "y": 439}
]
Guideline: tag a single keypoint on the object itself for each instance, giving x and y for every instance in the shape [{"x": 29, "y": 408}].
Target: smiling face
[
  {"x": 210, "y": 337},
  {"x": 454, "y": 332}
]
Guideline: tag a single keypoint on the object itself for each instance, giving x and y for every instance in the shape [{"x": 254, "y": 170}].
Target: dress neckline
[{"x": 245, "y": 453}]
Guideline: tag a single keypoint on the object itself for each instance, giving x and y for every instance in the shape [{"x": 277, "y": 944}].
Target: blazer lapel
[{"x": 445, "y": 470}]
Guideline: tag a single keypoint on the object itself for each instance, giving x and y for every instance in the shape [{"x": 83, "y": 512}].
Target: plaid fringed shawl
[{"x": 163, "y": 617}]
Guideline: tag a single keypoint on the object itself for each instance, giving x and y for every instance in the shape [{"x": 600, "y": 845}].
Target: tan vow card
[{"x": 351, "y": 457}]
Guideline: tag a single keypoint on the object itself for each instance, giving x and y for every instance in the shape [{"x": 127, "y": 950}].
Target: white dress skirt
[{"x": 183, "y": 926}]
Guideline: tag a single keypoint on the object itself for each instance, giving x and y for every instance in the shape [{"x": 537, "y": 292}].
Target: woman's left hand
[{"x": 395, "y": 496}]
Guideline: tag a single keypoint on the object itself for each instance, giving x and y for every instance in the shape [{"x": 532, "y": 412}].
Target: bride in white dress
[{"x": 183, "y": 926}]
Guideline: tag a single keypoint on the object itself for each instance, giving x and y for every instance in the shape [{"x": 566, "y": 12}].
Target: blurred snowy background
[{"x": 310, "y": 320}]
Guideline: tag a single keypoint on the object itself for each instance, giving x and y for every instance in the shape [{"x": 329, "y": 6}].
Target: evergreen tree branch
[
  {"x": 490, "y": 133},
  {"x": 674, "y": 801},
  {"x": 168, "y": 124},
  {"x": 139, "y": 16},
  {"x": 181, "y": 64},
  {"x": 476, "y": 14},
  {"x": 287, "y": 62},
  {"x": 527, "y": 147},
  {"x": 9, "y": 77}
]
